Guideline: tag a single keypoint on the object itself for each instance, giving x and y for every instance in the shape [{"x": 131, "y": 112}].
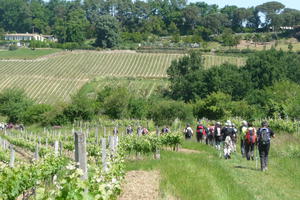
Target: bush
[
  {"x": 35, "y": 113},
  {"x": 13, "y": 47},
  {"x": 166, "y": 111},
  {"x": 13, "y": 104}
]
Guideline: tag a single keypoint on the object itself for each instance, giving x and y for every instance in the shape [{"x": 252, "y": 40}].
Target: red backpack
[
  {"x": 201, "y": 130},
  {"x": 251, "y": 136}
]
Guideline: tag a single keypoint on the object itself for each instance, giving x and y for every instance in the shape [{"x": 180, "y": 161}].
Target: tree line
[{"x": 76, "y": 21}]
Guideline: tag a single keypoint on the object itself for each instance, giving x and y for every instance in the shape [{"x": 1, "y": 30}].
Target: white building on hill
[{"x": 29, "y": 36}]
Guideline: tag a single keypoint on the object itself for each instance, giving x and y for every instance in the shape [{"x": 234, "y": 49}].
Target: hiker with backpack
[
  {"x": 227, "y": 133},
  {"x": 165, "y": 130},
  {"x": 201, "y": 132},
  {"x": 129, "y": 130},
  {"x": 210, "y": 136},
  {"x": 264, "y": 135},
  {"x": 243, "y": 131},
  {"x": 234, "y": 137},
  {"x": 218, "y": 135},
  {"x": 250, "y": 141},
  {"x": 188, "y": 132}
]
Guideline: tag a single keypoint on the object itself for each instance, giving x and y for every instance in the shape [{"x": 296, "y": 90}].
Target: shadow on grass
[{"x": 249, "y": 168}]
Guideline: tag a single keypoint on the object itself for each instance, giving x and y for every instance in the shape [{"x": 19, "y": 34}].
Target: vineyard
[
  {"x": 89, "y": 161},
  {"x": 51, "y": 170},
  {"x": 54, "y": 77}
]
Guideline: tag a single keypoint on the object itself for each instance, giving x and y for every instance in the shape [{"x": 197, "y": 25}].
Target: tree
[
  {"x": 76, "y": 25},
  {"x": 228, "y": 79},
  {"x": 166, "y": 111},
  {"x": 107, "y": 31},
  {"x": 13, "y": 104},
  {"x": 186, "y": 76},
  {"x": 114, "y": 102},
  {"x": 35, "y": 113},
  {"x": 215, "y": 106},
  {"x": 270, "y": 9},
  {"x": 15, "y": 16},
  {"x": 267, "y": 67},
  {"x": 229, "y": 39},
  {"x": 81, "y": 108}
]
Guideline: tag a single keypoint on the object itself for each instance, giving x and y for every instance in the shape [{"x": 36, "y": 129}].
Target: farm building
[{"x": 29, "y": 36}]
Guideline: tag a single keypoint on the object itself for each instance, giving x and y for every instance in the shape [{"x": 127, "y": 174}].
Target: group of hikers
[{"x": 227, "y": 135}]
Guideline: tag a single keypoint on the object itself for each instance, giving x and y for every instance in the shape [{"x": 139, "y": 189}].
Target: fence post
[
  {"x": 12, "y": 156},
  {"x": 157, "y": 151},
  {"x": 56, "y": 148},
  {"x": 36, "y": 153},
  {"x": 96, "y": 135},
  {"x": 111, "y": 144},
  {"x": 103, "y": 145},
  {"x": 80, "y": 153},
  {"x": 60, "y": 148}
]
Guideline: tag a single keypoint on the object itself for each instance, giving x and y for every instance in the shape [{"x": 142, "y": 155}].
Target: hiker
[
  {"x": 264, "y": 135},
  {"x": 250, "y": 141},
  {"x": 234, "y": 137},
  {"x": 210, "y": 136},
  {"x": 139, "y": 131},
  {"x": 115, "y": 131},
  {"x": 165, "y": 130},
  {"x": 227, "y": 133},
  {"x": 228, "y": 147},
  {"x": 129, "y": 130},
  {"x": 201, "y": 132},
  {"x": 188, "y": 132},
  {"x": 218, "y": 135},
  {"x": 145, "y": 131},
  {"x": 243, "y": 131}
]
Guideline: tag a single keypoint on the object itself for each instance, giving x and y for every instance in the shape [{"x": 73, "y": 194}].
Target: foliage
[
  {"x": 35, "y": 113},
  {"x": 13, "y": 104},
  {"x": 186, "y": 76},
  {"x": 16, "y": 180},
  {"x": 166, "y": 111},
  {"x": 81, "y": 108},
  {"x": 107, "y": 31},
  {"x": 115, "y": 104},
  {"x": 13, "y": 47}
]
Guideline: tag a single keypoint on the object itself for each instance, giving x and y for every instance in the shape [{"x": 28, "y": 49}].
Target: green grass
[
  {"x": 206, "y": 176},
  {"x": 26, "y": 54}
]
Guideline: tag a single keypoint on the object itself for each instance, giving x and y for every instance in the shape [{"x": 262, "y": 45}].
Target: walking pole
[{"x": 256, "y": 157}]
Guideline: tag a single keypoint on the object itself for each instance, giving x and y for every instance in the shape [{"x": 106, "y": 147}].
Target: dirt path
[
  {"x": 141, "y": 185},
  {"x": 183, "y": 150}
]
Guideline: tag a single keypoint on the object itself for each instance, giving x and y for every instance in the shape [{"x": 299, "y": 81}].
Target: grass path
[{"x": 206, "y": 176}]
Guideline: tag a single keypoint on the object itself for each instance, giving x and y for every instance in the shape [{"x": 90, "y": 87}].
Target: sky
[{"x": 295, "y": 4}]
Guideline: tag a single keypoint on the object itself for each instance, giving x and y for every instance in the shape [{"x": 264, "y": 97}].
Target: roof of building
[{"x": 22, "y": 34}]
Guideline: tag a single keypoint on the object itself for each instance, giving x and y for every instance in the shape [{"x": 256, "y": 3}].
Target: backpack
[
  {"x": 188, "y": 132},
  {"x": 251, "y": 136},
  {"x": 201, "y": 130},
  {"x": 218, "y": 130},
  {"x": 264, "y": 136}
]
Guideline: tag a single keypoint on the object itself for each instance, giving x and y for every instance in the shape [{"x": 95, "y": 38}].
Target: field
[
  {"x": 55, "y": 77},
  {"x": 26, "y": 54}
]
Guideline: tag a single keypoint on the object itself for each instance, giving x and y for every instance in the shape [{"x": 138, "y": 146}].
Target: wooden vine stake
[
  {"x": 56, "y": 148},
  {"x": 12, "y": 156},
  {"x": 80, "y": 153},
  {"x": 157, "y": 152},
  {"x": 103, "y": 145}
]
